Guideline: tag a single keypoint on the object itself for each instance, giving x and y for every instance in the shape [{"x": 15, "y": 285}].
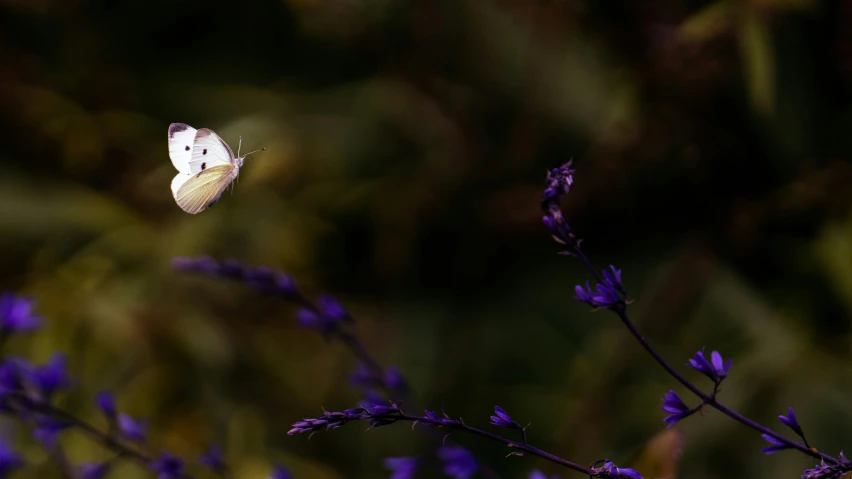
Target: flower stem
[{"x": 621, "y": 311}]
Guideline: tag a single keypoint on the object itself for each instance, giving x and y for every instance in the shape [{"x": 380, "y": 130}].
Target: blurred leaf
[{"x": 758, "y": 60}]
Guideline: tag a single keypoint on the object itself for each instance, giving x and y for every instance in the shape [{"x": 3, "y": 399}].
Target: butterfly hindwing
[
  {"x": 208, "y": 150},
  {"x": 203, "y": 189},
  {"x": 181, "y": 139}
]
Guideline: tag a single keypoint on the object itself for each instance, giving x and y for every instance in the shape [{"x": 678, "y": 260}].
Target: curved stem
[
  {"x": 621, "y": 311},
  {"x": 104, "y": 439},
  {"x": 387, "y": 418}
]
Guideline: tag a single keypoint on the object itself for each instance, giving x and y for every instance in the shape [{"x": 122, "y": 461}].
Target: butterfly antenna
[
  {"x": 255, "y": 151},
  {"x": 239, "y": 146}
]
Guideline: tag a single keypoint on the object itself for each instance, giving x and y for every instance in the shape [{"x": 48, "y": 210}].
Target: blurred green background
[{"x": 407, "y": 143}]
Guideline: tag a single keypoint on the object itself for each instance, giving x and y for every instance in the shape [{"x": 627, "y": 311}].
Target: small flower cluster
[
  {"x": 27, "y": 391},
  {"x": 609, "y": 293},
  {"x": 327, "y": 316},
  {"x": 608, "y": 470},
  {"x": 829, "y": 471}
]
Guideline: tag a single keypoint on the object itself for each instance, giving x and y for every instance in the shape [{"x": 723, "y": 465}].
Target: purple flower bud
[
  {"x": 610, "y": 471},
  {"x": 829, "y": 471},
  {"x": 458, "y": 462},
  {"x": 280, "y": 472},
  {"x": 51, "y": 376},
  {"x": 307, "y": 318},
  {"x": 167, "y": 466},
  {"x": 558, "y": 183},
  {"x": 16, "y": 314},
  {"x": 9, "y": 459},
  {"x": 47, "y": 431},
  {"x": 213, "y": 458},
  {"x": 262, "y": 278},
  {"x": 674, "y": 405},
  {"x": 776, "y": 445},
  {"x": 331, "y": 309},
  {"x": 402, "y": 467},
  {"x": 381, "y": 409},
  {"x": 13, "y": 372},
  {"x": 132, "y": 429},
  {"x": 92, "y": 470},
  {"x": 790, "y": 421},
  {"x": 394, "y": 380},
  {"x": 106, "y": 403},
  {"x": 716, "y": 371},
  {"x": 502, "y": 419},
  {"x": 585, "y": 295}
]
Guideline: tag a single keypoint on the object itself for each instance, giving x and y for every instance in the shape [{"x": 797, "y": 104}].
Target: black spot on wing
[
  {"x": 186, "y": 148},
  {"x": 203, "y": 166},
  {"x": 177, "y": 128},
  {"x": 204, "y": 152}
]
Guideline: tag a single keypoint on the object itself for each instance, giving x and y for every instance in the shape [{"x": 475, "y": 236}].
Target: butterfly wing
[
  {"x": 181, "y": 139},
  {"x": 208, "y": 150},
  {"x": 201, "y": 190}
]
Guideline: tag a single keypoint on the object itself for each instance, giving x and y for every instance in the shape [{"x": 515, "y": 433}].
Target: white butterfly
[{"x": 206, "y": 166}]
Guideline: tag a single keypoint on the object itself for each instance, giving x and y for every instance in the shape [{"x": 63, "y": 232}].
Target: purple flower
[
  {"x": 16, "y": 314},
  {"x": 47, "y": 430},
  {"x": 93, "y": 470},
  {"x": 51, "y": 376},
  {"x": 829, "y": 471},
  {"x": 280, "y": 472},
  {"x": 674, "y": 405},
  {"x": 167, "y": 466},
  {"x": 106, "y": 403},
  {"x": 717, "y": 370},
  {"x": 382, "y": 409},
  {"x": 132, "y": 429},
  {"x": 9, "y": 459},
  {"x": 458, "y": 462},
  {"x": 332, "y": 309},
  {"x": 502, "y": 419},
  {"x": 371, "y": 396},
  {"x": 558, "y": 183},
  {"x": 610, "y": 471},
  {"x": 790, "y": 421},
  {"x": 394, "y": 380},
  {"x": 213, "y": 458},
  {"x": 262, "y": 278},
  {"x": 329, "y": 420},
  {"x": 606, "y": 294},
  {"x": 402, "y": 467},
  {"x": 13, "y": 372},
  {"x": 364, "y": 377},
  {"x": 307, "y": 318},
  {"x": 442, "y": 419},
  {"x": 776, "y": 445}
]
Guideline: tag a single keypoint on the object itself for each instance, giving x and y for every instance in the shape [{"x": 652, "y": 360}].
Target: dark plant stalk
[
  {"x": 282, "y": 286},
  {"x": 621, "y": 311},
  {"x": 107, "y": 441},
  {"x": 559, "y": 181},
  {"x": 382, "y": 417}
]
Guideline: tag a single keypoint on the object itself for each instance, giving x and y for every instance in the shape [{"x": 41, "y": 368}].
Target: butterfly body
[{"x": 206, "y": 166}]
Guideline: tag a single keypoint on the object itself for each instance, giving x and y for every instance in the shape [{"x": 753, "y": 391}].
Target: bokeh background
[{"x": 407, "y": 142}]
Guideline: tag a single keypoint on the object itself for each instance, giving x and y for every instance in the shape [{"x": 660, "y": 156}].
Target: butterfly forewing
[
  {"x": 203, "y": 189},
  {"x": 208, "y": 150},
  {"x": 181, "y": 139}
]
